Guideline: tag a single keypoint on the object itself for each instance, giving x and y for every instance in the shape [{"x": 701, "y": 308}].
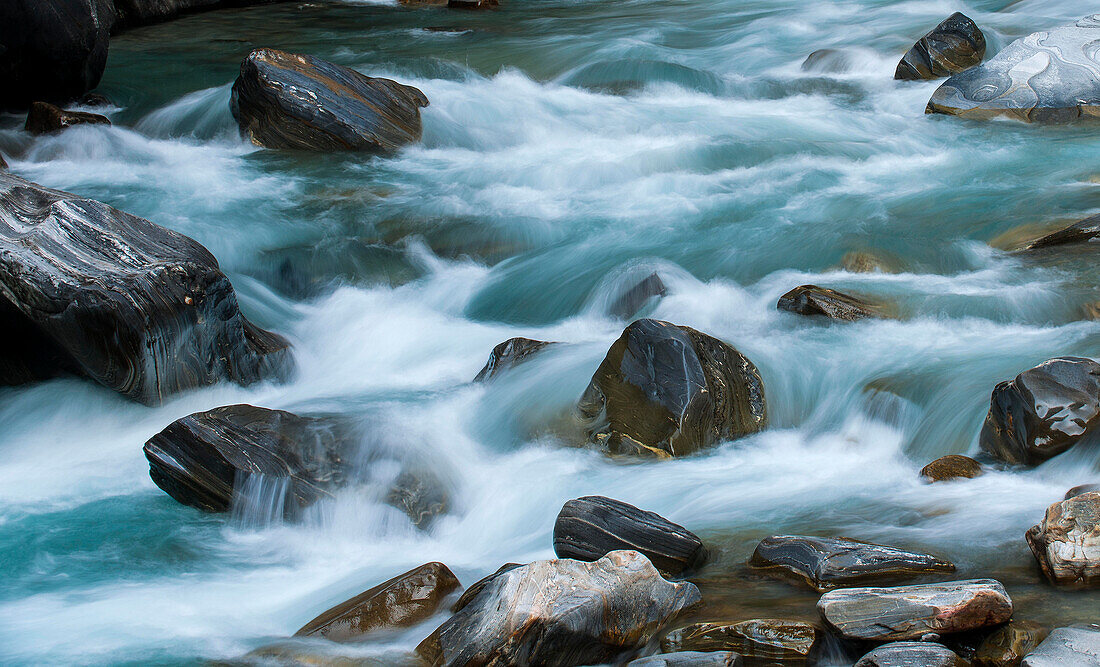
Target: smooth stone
[
  {"x": 954, "y": 46},
  {"x": 666, "y": 390},
  {"x": 475, "y": 588},
  {"x": 827, "y": 61},
  {"x": 912, "y": 654},
  {"x": 1079, "y": 232},
  {"x": 631, "y": 301},
  {"x": 421, "y": 495},
  {"x": 559, "y": 613},
  {"x": 507, "y": 354},
  {"x": 909, "y": 612},
  {"x": 1067, "y": 542},
  {"x": 771, "y": 641},
  {"x": 690, "y": 659},
  {"x": 1076, "y": 645},
  {"x": 1042, "y": 412},
  {"x": 825, "y": 563},
  {"x": 401, "y": 602},
  {"x": 285, "y": 100},
  {"x": 589, "y": 528},
  {"x": 45, "y": 118},
  {"x": 1008, "y": 644},
  {"x": 1081, "y": 488},
  {"x": 952, "y": 466},
  {"x": 814, "y": 300},
  {"x": 1048, "y": 76}
]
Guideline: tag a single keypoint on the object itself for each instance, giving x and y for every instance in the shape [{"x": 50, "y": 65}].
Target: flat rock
[
  {"x": 767, "y": 641},
  {"x": 1008, "y": 644},
  {"x": 814, "y": 300},
  {"x": 954, "y": 46},
  {"x": 1067, "y": 542},
  {"x": 45, "y": 118},
  {"x": 1077, "y": 645},
  {"x": 508, "y": 354},
  {"x": 952, "y": 466},
  {"x": 825, "y": 563},
  {"x": 1079, "y": 232},
  {"x": 910, "y": 612},
  {"x": 690, "y": 659},
  {"x": 631, "y": 301},
  {"x": 912, "y": 654},
  {"x": 589, "y": 528}
]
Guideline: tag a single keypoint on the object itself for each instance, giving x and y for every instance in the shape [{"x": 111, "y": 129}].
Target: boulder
[
  {"x": 1079, "y": 232},
  {"x": 909, "y": 612},
  {"x": 767, "y": 641},
  {"x": 952, "y": 466},
  {"x": 814, "y": 300},
  {"x": 1048, "y": 76},
  {"x": 632, "y": 300},
  {"x": 401, "y": 602},
  {"x": 589, "y": 528},
  {"x": 475, "y": 588},
  {"x": 690, "y": 659},
  {"x": 138, "y": 308},
  {"x": 421, "y": 495},
  {"x": 825, "y": 563},
  {"x": 912, "y": 654},
  {"x": 1008, "y": 644},
  {"x": 1077, "y": 645},
  {"x": 1067, "y": 542},
  {"x": 284, "y": 100},
  {"x": 827, "y": 61},
  {"x": 954, "y": 46},
  {"x": 1043, "y": 412},
  {"x": 45, "y": 118},
  {"x": 564, "y": 612},
  {"x": 1081, "y": 488},
  {"x": 509, "y": 353},
  {"x": 667, "y": 390}
]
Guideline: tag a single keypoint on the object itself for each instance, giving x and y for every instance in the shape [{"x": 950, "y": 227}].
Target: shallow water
[{"x": 570, "y": 149}]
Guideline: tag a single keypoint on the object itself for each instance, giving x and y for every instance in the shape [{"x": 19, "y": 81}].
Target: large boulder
[
  {"x": 138, "y": 308},
  {"x": 285, "y": 100},
  {"x": 667, "y": 390},
  {"x": 589, "y": 528},
  {"x": 814, "y": 300},
  {"x": 508, "y": 354},
  {"x": 1048, "y": 76},
  {"x": 46, "y": 118},
  {"x": 1008, "y": 644},
  {"x": 912, "y": 654},
  {"x": 559, "y": 613},
  {"x": 909, "y": 612},
  {"x": 1067, "y": 542},
  {"x": 954, "y": 46},
  {"x": 759, "y": 641},
  {"x": 1042, "y": 412},
  {"x": 825, "y": 563},
  {"x": 1077, "y": 645}
]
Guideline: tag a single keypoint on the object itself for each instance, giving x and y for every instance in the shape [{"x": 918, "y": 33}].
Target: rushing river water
[{"x": 570, "y": 149}]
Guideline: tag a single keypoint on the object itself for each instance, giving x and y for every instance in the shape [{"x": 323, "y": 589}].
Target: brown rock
[
  {"x": 45, "y": 118},
  {"x": 1081, "y": 488},
  {"x": 814, "y": 300},
  {"x": 952, "y": 466},
  {"x": 770, "y": 641},
  {"x": 955, "y": 45},
  {"x": 861, "y": 261},
  {"x": 1008, "y": 645},
  {"x": 1067, "y": 542}
]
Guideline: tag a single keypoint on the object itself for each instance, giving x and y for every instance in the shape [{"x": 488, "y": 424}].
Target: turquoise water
[{"x": 570, "y": 149}]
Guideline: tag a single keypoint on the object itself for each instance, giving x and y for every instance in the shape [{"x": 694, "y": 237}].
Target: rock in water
[
  {"x": 909, "y": 612},
  {"x": 1081, "y": 488},
  {"x": 136, "y": 307},
  {"x": 1043, "y": 412},
  {"x": 45, "y": 118},
  {"x": 690, "y": 659},
  {"x": 1079, "y": 232},
  {"x": 1077, "y": 645},
  {"x": 203, "y": 458},
  {"x": 1067, "y": 542},
  {"x": 1009, "y": 644},
  {"x": 401, "y": 602},
  {"x": 420, "y": 494},
  {"x": 953, "y": 46},
  {"x": 631, "y": 301},
  {"x": 668, "y": 390},
  {"x": 591, "y": 527},
  {"x": 814, "y": 300},
  {"x": 508, "y": 354},
  {"x": 284, "y": 100},
  {"x": 1049, "y": 76},
  {"x": 475, "y": 588},
  {"x": 559, "y": 613},
  {"x": 759, "y": 641},
  {"x": 826, "y": 562},
  {"x": 827, "y": 61},
  {"x": 912, "y": 654},
  {"x": 952, "y": 466},
  {"x": 472, "y": 4}
]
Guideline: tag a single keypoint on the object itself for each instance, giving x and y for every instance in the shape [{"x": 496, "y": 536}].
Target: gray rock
[
  {"x": 1067, "y": 542},
  {"x": 912, "y": 654},
  {"x": 954, "y": 46},
  {"x": 420, "y": 494},
  {"x": 507, "y": 354},
  {"x": 475, "y": 588},
  {"x": 1081, "y": 488},
  {"x": 827, "y": 61},
  {"x": 690, "y": 659},
  {"x": 1076, "y": 645},
  {"x": 758, "y": 641},
  {"x": 45, "y": 118},
  {"x": 814, "y": 300},
  {"x": 632, "y": 300}
]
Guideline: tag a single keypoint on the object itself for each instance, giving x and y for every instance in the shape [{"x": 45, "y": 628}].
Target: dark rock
[
  {"x": 912, "y": 654},
  {"x": 631, "y": 301},
  {"x": 3, "y": 162},
  {"x": 133, "y": 13},
  {"x": 472, "y": 4},
  {"x": 1008, "y": 644},
  {"x": 953, "y": 46},
  {"x": 827, "y": 61},
  {"x": 1067, "y": 542},
  {"x": 814, "y": 300},
  {"x": 138, "y": 308},
  {"x": 45, "y": 118},
  {"x": 1048, "y": 76},
  {"x": 952, "y": 466},
  {"x": 589, "y": 528},
  {"x": 1079, "y": 232},
  {"x": 1043, "y": 412},
  {"x": 475, "y": 588},
  {"x": 1081, "y": 488},
  {"x": 508, "y": 354},
  {"x": 668, "y": 390},
  {"x": 421, "y": 495},
  {"x": 825, "y": 563},
  {"x": 1077, "y": 645},
  {"x": 284, "y": 100},
  {"x": 767, "y": 641},
  {"x": 690, "y": 659},
  {"x": 94, "y": 100},
  {"x": 401, "y": 602}
]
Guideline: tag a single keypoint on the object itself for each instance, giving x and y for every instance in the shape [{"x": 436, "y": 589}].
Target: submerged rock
[
  {"x": 45, "y": 118},
  {"x": 864, "y": 261},
  {"x": 1077, "y": 645},
  {"x": 912, "y": 654},
  {"x": 955, "y": 45},
  {"x": 690, "y": 659},
  {"x": 1067, "y": 542},
  {"x": 668, "y": 390},
  {"x": 825, "y": 563},
  {"x": 767, "y": 641},
  {"x": 827, "y": 61},
  {"x": 1048, "y": 76},
  {"x": 138, "y": 308},
  {"x": 589, "y": 528},
  {"x": 952, "y": 466},
  {"x": 509, "y": 353},
  {"x": 1042, "y": 412},
  {"x": 631, "y": 301},
  {"x": 814, "y": 300},
  {"x": 284, "y": 100},
  {"x": 421, "y": 495},
  {"x": 472, "y": 4},
  {"x": 1079, "y": 232},
  {"x": 1081, "y": 488},
  {"x": 1008, "y": 644}
]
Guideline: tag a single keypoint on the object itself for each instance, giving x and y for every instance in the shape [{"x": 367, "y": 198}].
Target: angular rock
[
  {"x": 1077, "y": 645},
  {"x": 1079, "y": 232},
  {"x": 825, "y": 563},
  {"x": 1048, "y": 76},
  {"x": 509, "y": 353},
  {"x": 814, "y": 300},
  {"x": 138, "y": 308},
  {"x": 912, "y": 654},
  {"x": 952, "y": 466},
  {"x": 421, "y": 495},
  {"x": 562, "y": 612},
  {"x": 45, "y": 118},
  {"x": 954, "y": 46},
  {"x": 1008, "y": 645},
  {"x": 589, "y": 528},
  {"x": 1081, "y": 488},
  {"x": 690, "y": 659},
  {"x": 284, "y": 100},
  {"x": 1067, "y": 542},
  {"x": 668, "y": 390},
  {"x": 401, "y": 602},
  {"x": 909, "y": 612},
  {"x": 631, "y": 301},
  {"x": 475, "y": 588},
  {"x": 767, "y": 641},
  {"x": 1043, "y": 412}
]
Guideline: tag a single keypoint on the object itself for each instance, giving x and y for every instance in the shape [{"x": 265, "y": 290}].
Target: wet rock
[
  {"x": 138, "y": 308},
  {"x": 912, "y": 654},
  {"x": 814, "y": 300},
  {"x": 45, "y": 118},
  {"x": 952, "y": 466},
  {"x": 825, "y": 563},
  {"x": 94, "y": 100},
  {"x": 861, "y": 261},
  {"x": 562, "y": 612},
  {"x": 284, "y": 100},
  {"x": 1077, "y": 645},
  {"x": 401, "y": 602},
  {"x": 1081, "y": 488},
  {"x": 954, "y": 46},
  {"x": 297, "y": 653},
  {"x": 631, "y": 301},
  {"x": 472, "y": 4},
  {"x": 768, "y": 641},
  {"x": 668, "y": 390},
  {"x": 1079, "y": 232},
  {"x": 509, "y": 353},
  {"x": 1008, "y": 644},
  {"x": 1067, "y": 542},
  {"x": 588, "y": 528},
  {"x": 421, "y": 495},
  {"x": 206, "y": 458},
  {"x": 827, "y": 61},
  {"x": 690, "y": 659},
  {"x": 133, "y": 13},
  {"x": 1048, "y": 76},
  {"x": 3, "y": 162},
  {"x": 909, "y": 612},
  {"x": 1043, "y": 412},
  {"x": 475, "y": 588}
]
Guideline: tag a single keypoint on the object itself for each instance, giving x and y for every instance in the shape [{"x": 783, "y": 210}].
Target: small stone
[
  {"x": 1009, "y": 644},
  {"x": 814, "y": 300},
  {"x": 631, "y": 301},
  {"x": 768, "y": 641},
  {"x": 952, "y": 466},
  {"x": 508, "y": 354},
  {"x": 912, "y": 654},
  {"x": 690, "y": 659},
  {"x": 1067, "y": 542},
  {"x": 45, "y": 118},
  {"x": 421, "y": 495},
  {"x": 954, "y": 46},
  {"x": 1076, "y": 645}
]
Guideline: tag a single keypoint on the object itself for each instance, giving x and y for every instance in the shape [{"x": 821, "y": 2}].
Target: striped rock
[
  {"x": 767, "y": 641},
  {"x": 912, "y": 654},
  {"x": 954, "y": 46},
  {"x": 1067, "y": 542}
]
